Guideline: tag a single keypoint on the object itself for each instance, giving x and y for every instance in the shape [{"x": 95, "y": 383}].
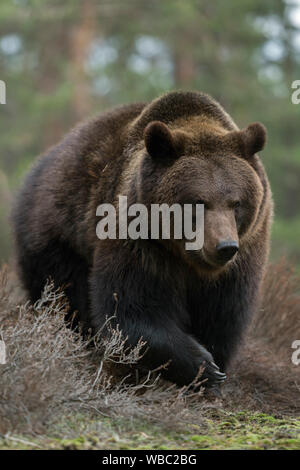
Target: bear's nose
[{"x": 226, "y": 250}]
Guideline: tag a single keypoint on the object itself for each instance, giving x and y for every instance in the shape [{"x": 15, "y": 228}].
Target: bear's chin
[{"x": 204, "y": 264}]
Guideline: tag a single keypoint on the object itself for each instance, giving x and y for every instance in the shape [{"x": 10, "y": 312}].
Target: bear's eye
[{"x": 236, "y": 204}]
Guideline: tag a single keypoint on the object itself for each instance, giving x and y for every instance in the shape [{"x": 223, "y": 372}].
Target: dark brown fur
[{"x": 182, "y": 147}]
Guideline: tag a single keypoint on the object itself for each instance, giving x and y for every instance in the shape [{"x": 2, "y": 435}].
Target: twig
[{"x": 22, "y": 441}]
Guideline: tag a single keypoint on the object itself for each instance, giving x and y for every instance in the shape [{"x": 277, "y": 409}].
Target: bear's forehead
[
  {"x": 188, "y": 181},
  {"x": 221, "y": 173},
  {"x": 217, "y": 171},
  {"x": 204, "y": 135}
]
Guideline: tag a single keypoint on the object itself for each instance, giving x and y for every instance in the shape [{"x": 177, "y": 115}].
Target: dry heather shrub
[
  {"x": 263, "y": 376},
  {"x": 43, "y": 364},
  {"x": 258, "y": 381},
  {"x": 51, "y": 372},
  {"x": 10, "y": 295},
  {"x": 278, "y": 321}
]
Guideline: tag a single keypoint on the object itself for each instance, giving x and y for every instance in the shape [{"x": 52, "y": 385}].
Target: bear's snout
[
  {"x": 221, "y": 240},
  {"x": 226, "y": 249}
]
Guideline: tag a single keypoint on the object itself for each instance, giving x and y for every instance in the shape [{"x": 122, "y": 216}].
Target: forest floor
[
  {"x": 223, "y": 430},
  {"x": 55, "y": 393}
]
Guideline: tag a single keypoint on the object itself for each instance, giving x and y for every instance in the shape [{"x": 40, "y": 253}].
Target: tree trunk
[{"x": 81, "y": 38}]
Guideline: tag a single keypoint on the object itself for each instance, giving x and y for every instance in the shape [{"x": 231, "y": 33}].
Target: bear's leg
[
  {"x": 147, "y": 307},
  {"x": 225, "y": 315},
  {"x": 226, "y": 341},
  {"x": 68, "y": 270}
]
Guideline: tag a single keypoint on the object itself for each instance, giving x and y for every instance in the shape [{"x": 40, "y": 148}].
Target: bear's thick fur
[{"x": 190, "y": 307}]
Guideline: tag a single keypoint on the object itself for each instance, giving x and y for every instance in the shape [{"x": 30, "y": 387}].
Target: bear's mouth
[{"x": 209, "y": 263}]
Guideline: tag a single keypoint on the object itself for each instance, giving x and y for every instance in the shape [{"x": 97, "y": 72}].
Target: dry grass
[
  {"x": 278, "y": 320},
  {"x": 263, "y": 376},
  {"x": 52, "y": 372}
]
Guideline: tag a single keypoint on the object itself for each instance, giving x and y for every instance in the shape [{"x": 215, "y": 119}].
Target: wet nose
[{"x": 226, "y": 250}]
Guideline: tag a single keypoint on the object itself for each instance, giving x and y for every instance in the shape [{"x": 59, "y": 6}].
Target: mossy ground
[{"x": 221, "y": 430}]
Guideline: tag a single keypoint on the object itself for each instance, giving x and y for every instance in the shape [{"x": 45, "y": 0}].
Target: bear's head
[{"x": 197, "y": 160}]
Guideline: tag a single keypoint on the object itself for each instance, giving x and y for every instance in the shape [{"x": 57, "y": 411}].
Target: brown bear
[{"x": 191, "y": 307}]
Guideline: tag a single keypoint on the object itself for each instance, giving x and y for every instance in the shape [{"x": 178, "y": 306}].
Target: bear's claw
[
  {"x": 215, "y": 365},
  {"x": 213, "y": 375}
]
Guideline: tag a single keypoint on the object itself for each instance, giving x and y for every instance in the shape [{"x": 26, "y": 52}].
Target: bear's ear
[
  {"x": 161, "y": 143},
  {"x": 253, "y": 139}
]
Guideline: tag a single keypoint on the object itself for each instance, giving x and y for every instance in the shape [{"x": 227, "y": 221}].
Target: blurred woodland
[{"x": 65, "y": 61}]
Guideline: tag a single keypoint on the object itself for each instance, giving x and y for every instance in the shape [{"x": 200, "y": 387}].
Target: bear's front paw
[{"x": 211, "y": 374}]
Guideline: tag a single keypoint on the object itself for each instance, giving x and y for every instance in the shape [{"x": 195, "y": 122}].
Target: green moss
[{"x": 221, "y": 430}]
